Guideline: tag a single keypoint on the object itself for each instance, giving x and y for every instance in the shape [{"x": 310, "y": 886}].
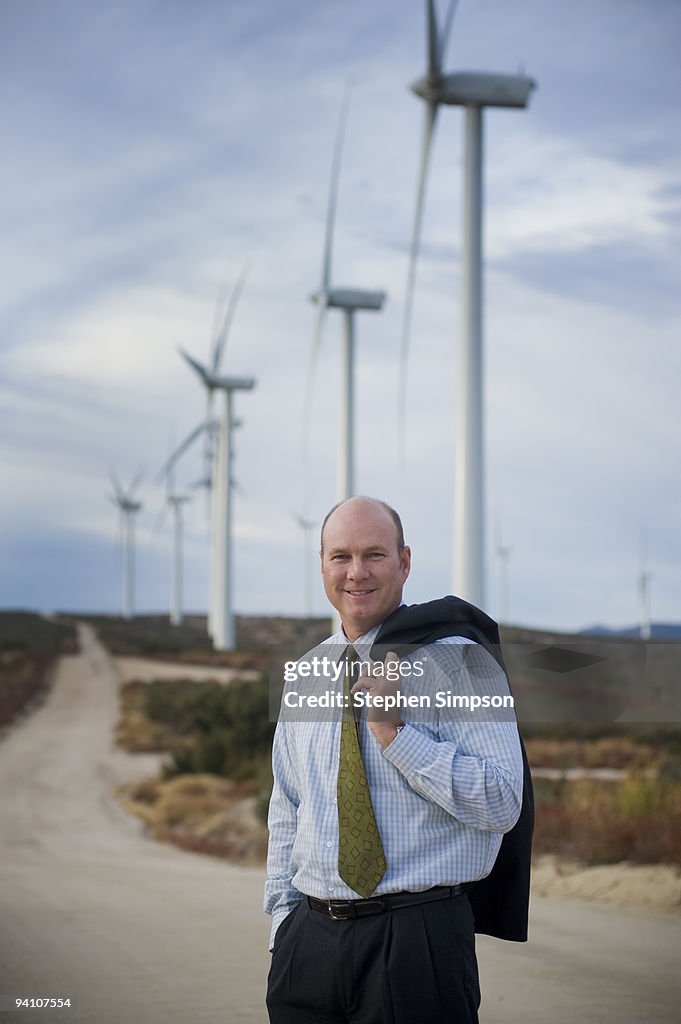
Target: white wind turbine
[
  {"x": 472, "y": 90},
  {"x": 503, "y": 552},
  {"x": 307, "y": 526},
  {"x": 221, "y": 617},
  {"x": 349, "y": 300},
  {"x": 128, "y": 508},
  {"x": 644, "y": 581},
  {"x": 176, "y": 502}
]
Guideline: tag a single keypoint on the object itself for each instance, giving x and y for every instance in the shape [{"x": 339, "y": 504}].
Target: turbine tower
[
  {"x": 307, "y": 526},
  {"x": 221, "y": 616},
  {"x": 644, "y": 581},
  {"x": 175, "y": 503},
  {"x": 472, "y": 90},
  {"x": 128, "y": 508},
  {"x": 503, "y": 554},
  {"x": 349, "y": 301}
]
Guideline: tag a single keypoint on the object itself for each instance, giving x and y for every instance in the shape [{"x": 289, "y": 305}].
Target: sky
[{"x": 153, "y": 147}]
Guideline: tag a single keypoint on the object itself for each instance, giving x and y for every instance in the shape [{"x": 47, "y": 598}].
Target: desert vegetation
[
  {"x": 29, "y": 645},
  {"x": 215, "y": 780}
]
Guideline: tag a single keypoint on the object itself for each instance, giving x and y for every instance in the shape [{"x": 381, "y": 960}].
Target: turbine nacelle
[
  {"x": 478, "y": 88},
  {"x": 349, "y": 298},
  {"x": 212, "y": 380},
  {"x": 176, "y": 500},
  {"x": 231, "y": 383}
]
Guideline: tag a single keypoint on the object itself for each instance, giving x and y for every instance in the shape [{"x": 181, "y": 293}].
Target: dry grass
[
  {"x": 619, "y": 752},
  {"x": 135, "y": 732},
  {"x": 595, "y": 822},
  {"x": 204, "y": 813}
]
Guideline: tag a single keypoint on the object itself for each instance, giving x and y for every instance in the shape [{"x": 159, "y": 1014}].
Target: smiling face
[{"x": 363, "y": 567}]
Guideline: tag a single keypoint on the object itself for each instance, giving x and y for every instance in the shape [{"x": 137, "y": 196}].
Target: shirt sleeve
[
  {"x": 281, "y": 896},
  {"x": 468, "y": 762}
]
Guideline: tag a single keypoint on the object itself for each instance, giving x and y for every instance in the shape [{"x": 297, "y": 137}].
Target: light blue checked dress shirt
[{"x": 444, "y": 791}]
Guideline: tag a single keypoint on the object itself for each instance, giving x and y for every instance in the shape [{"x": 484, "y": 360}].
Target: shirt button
[
  {"x": 329, "y": 843},
  {"x": 332, "y": 888}
]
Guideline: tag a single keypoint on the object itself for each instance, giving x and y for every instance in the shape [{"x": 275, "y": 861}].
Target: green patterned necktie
[{"x": 361, "y": 860}]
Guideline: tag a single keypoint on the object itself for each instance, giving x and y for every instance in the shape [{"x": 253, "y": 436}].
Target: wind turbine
[
  {"x": 221, "y": 616},
  {"x": 307, "y": 526},
  {"x": 349, "y": 301},
  {"x": 175, "y": 503},
  {"x": 644, "y": 580},
  {"x": 472, "y": 90},
  {"x": 503, "y": 554},
  {"x": 128, "y": 507}
]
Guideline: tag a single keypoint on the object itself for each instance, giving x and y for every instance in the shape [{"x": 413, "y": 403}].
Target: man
[{"x": 429, "y": 803}]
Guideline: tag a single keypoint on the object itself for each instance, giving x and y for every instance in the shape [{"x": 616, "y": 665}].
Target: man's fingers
[{"x": 378, "y": 670}]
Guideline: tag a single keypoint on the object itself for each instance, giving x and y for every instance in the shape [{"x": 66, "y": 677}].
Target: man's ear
[{"x": 405, "y": 560}]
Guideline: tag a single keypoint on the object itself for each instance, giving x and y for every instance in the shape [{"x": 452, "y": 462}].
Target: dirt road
[{"x": 133, "y": 931}]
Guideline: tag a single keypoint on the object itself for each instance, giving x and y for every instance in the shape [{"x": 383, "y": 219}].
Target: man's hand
[{"x": 382, "y": 721}]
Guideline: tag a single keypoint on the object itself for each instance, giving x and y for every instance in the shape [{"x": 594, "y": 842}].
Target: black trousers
[{"x": 415, "y": 965}]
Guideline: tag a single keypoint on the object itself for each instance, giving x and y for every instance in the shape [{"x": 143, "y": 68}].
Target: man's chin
[{"x": 360, "y": 614}]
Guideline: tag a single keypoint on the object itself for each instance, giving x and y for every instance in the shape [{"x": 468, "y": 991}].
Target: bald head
[{"x": 359, "y": 503}]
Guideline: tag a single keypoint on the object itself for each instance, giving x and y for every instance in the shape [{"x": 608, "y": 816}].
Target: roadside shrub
[
  {"x": 637, "y": 820},
  {"x": 225, "y": 730}
]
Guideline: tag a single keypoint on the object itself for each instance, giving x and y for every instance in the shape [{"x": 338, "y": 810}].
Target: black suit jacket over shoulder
[{"x": 500, "y": 901}]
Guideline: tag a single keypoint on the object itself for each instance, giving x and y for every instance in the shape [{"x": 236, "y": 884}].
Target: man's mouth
[{"x": 360, "y": 593}]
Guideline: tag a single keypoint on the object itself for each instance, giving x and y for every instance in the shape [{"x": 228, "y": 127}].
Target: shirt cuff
[{"x": 410, "y": 750}]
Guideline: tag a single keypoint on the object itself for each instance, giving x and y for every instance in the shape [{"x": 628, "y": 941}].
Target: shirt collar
[{"x": 362, "y": 644}]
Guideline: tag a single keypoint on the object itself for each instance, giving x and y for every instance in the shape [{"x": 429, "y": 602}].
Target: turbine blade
[
  {"x": 196, "y": 366},
  {"x": 115, "y": 484},
  {"x": 433, "y": 43},
  {"x": 159, "y": 520},
  {"x": 170, "y": 472},
  {"x": 136, "y": 481},
  {"x": 333, "y": 189},
  {"x": 311, "y": 373},
  {"x": 218, "y": 315},
  {"x": 446, "y": 29},
  {"x": 429, "y": 128},
  {"x": 188, "y": 441},
  {"x": 221, "y": 336}
]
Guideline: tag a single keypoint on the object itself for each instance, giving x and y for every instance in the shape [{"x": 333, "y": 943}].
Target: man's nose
[{"x": 358, "y": 569}]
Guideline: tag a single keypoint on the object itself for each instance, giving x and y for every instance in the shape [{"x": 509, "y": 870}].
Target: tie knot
[{"x": 350, "y": 658}]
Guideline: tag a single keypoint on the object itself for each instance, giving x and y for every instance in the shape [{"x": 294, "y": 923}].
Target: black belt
[{"x": 346, "y": 910}]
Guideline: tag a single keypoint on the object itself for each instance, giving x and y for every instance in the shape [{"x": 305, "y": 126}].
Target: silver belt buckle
[{"x": 333, "y": 916}]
